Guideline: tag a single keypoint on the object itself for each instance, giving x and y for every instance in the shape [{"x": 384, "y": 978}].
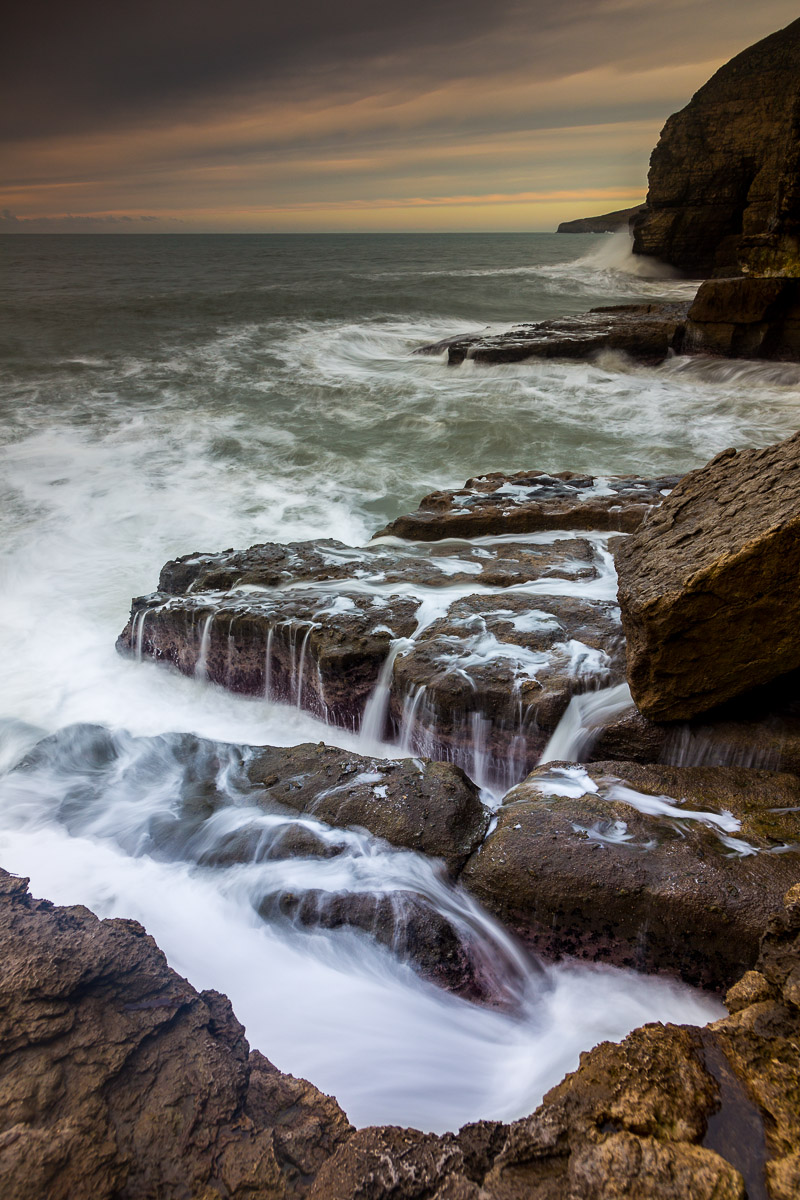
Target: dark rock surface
[
  {"x": 645, "y": 332},
  {"x": 708, "y": 586},
  {"x": 119, "y": 1079},
  {"x": 607, "y": 223},
  {"x": 528, "y": 501},
  {"x": 723, "y": 182},
  {"x": 670, "y": 1113},
  {"x": 751, "y": 317},
  {"x": 416, "y": 642},
  {"x": 100, "y": 1037},
  {"x": 607, "y": 862}
]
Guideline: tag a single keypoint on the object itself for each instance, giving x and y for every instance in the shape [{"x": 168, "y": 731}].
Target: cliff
[
  {"x": 607, "y": 223},
  {"x": 724, "y": 186}
]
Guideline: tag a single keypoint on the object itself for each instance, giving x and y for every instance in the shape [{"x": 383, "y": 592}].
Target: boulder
[
  {"x": 723, "y": 178},
  {"x": 751, "y": 317},
  {"x": 118, "y": 1078},
  {"x": 708, "y": 586},
  {"x": 529, "y": 501},
  {"x": 654, "y": 867}
]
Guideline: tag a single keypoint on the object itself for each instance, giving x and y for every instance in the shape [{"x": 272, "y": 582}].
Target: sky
[{"x": 189, "y": 116}]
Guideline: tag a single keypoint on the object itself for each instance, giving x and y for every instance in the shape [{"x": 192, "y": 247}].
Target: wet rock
[
  {"x": 707, "y": 586},
  {"x": 487, "y": 684},
  {"x": 529, "y": 501},
  {"x": 723, "y": 177},
  {"x": 412, "y": 804},
  {"x": 119, "y": 1078},
  {"x": 652, "y": 867},
  {"x": 645, "y": 332},
  {"x": 356, "y": 649},
  {"x": 412, "y": 928},
  {"x": 426, "y": 806},
  {"x": 670, "y": 1112}
]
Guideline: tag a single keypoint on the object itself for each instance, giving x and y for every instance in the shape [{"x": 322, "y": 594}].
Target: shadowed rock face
[
  {"x": 708, "y": 586},
  {"x": 652, "y": 867},
  {"x": 723, "y": 183},
  {"x": 119, "y": 1079}
]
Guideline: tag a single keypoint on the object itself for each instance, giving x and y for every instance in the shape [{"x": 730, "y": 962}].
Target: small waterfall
[
  {"x": 201, "y": 666},
  {"x": 373, "y": 723},
  {"x": 586, "y": 715},
  {"x": 410, "y": 707},
  {"x": 268, "y": 664},
  {"x": 298, "y": 699},
  {"x": 137, "y": 632}
]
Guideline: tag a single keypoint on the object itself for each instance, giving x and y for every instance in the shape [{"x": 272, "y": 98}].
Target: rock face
[
  {"x": 652, "y": 867},
  {"x": 533, "y": 500},
  {"x": 751, "y": 317},
  {"x": 647, "y": 333},
  {"x": 607, "y": 223},
  {"x": 119, "y": 1079},
  {"x": 708, "y": 586},
  {"x": 723, "y": 183}
]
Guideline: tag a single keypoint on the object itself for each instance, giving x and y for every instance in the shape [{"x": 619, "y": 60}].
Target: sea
[{"x": 161, "y": 395}]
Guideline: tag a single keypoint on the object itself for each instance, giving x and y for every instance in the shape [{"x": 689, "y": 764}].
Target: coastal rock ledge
[{"x": 121, "y": 1082}]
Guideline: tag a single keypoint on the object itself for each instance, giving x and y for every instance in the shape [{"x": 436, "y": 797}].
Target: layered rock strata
[
  {"x": 670, "y": 1112},
  {"x": 708, "y": 586},
  {"x": 651, "y": 867},
  {"x": 723, "y": 185},
  {"x": 646, "y": 333},
  {"x": 528, "y": 501},
  {"x": 451, "y": 650}
]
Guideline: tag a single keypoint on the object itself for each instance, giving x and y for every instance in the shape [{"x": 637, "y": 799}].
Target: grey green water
[{"x": 166, "y": 394}]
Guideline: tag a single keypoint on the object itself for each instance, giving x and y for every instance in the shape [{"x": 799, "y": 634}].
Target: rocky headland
[
  {"x": 723, "y": 205},
  {"x": 607, "y": 223}
]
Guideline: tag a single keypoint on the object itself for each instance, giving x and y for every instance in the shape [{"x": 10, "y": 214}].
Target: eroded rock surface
[
  {"x": 645, "y": 332},
  {"x": 119, "y": 1079},
  {"x": 652, "y": 867},
  {"x": 529, "y": 501},
  {"x": 669, "y": 1113},
  {"x": 450, "y": 649},
  {"x": 708, "y": 586}
]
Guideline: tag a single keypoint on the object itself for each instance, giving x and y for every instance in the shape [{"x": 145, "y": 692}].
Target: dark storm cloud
[{"x": 92, "y": 64}]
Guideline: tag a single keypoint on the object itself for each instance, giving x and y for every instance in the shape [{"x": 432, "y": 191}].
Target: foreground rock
[
  {"x": 119, "y": 1079},
  {"x": 752, "y": 317},
  {"x": 723, "y": 178},
  {"x": 529, "y": 501},
  {"x": 652, "y": 867},
  {"x": 672, "y": 1112},
  {"x": 647, "y": 333},
  {"x": 451, "y": 650},
  {"x": 99, "y": 1035},
  {"x": 708, "y": 586}
]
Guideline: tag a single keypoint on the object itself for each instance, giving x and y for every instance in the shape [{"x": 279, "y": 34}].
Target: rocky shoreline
[{"x": 590, "y": 686}]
